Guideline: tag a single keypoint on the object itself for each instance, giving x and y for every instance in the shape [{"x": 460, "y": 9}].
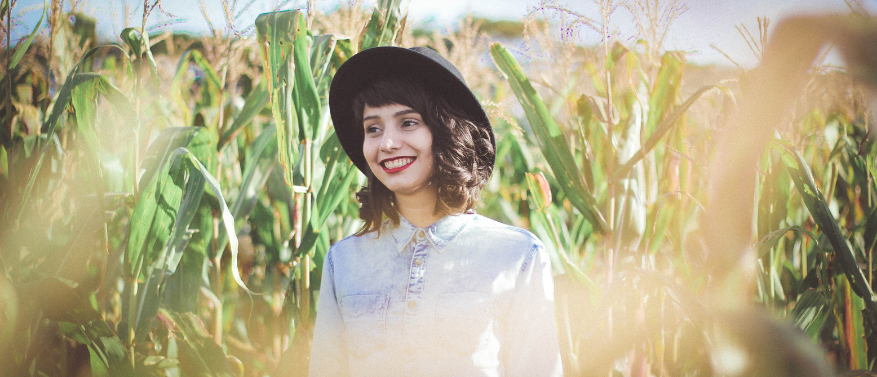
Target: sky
[{"x": 704, "y": 24}]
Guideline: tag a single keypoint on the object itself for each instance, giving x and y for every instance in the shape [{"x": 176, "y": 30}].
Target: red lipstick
[{"x": 395, "y": 165}]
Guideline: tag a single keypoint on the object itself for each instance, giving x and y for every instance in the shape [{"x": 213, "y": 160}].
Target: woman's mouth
[{"x": 396, "y": 164}]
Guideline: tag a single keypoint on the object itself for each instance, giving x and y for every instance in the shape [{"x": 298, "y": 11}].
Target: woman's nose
[{"x": 389, "y": 142}]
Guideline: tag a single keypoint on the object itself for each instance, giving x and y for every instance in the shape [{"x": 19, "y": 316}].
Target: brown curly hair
[{"x": 461, "y": 149}]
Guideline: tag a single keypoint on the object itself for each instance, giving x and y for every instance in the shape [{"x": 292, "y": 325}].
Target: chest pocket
[
  {"x": 365, "y": 323},
  {"x": 467, "y": 325}
]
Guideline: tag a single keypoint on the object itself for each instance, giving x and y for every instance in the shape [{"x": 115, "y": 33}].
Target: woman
[{"x": 427, "y": 287}]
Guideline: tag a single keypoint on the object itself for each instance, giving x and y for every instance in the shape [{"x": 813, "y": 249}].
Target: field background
[{"x": 166, "y": 200}]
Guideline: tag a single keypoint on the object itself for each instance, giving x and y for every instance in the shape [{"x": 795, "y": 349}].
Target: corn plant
[
  {"x": 183, "y": 201},
  {"x": 623, "y": 168},
  {"x": 627, "y": 199}
]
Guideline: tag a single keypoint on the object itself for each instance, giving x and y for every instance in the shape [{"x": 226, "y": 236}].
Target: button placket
[{"x": 417, "y": 270}]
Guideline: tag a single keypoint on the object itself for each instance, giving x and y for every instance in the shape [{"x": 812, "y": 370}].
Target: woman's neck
[{"x": 419, "y": 209}]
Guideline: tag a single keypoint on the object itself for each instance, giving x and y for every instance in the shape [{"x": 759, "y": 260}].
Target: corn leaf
[
  {"x": 853, "y": 331},
  {"x": 159, "y": 200},
  {"x": 277, "y": 32},
  {"x": 260, "y": 163},
  {"x": 322, "y": 52},
  {"x": 212, "y": 82},
  {"x": 383, "y": 25},
  {"x": 181, "y": 289},
  {"x": 344, "y": 49},
  {"x": 770, "y": 240},
  {"x": 540, "y": 192},
  {"x": 550, "y": 138},
  {"x": 332, "y": 191},
  {"x": 79, "y": 321},
  {"x": 139, "y": 44},
  {"x": 304, "y": 91},
  {"x": 75, "y": 79},
  {"x": 666, "y": 125},
  {"x": 665, "y": 91},
  {"x": 166, "y": 261},
  {"x": 818, "y": 207},
  {"x": 254, "y": 103},
  {"x": 322, "y": 55},
  {"x": 809, "y": 313},
  {"x": 199, "y": 355},
  {"x": 22, "y": 47},
  {"x": 4, "y": 163}
]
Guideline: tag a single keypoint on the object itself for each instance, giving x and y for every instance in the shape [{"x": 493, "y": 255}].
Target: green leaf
[
  {"x": 158, "y": 202},
  {"x": 853, "y": 328},
  {"x": 23, "y": 46},
  {"x": 182, "y": 288},
  {"x": 540, "y": 192},
  {"x": 196, "y": 139},
  {"x": 383, "y": 25},
  {"x": 199, "y": 355},
  {"x": 322, "y": 52},
  {"x": 131, "y": 37},
  {"x": 344, "y": 49},
  {"x": 210, "y": 88},
  {"x": 277, "y": 33},
  {"x": 304, "y": 91},
  {"x": 666, "y": 125},
  {"x": 665, "y": 91},
  {"x": 259, "y": 164},
  {"x": 85, "y": 106},
  {"x": 332, "y": 191},
  {"x": 810, "y": 313},
  {"x": 550, "y": 138},
  {"x": 4, "y": 163},
  {"x": 227, "y": 222},
  {"x": 139, "y": 44},
  {"x": 189, "y": 204},
  {"x": 770, "y": 240},
  {"x": 182, "y": 166},
  {"x": 120, "y": 104},
  {"x": 169, "y": 204},
  {"x": 81, "y": 322},
  {"x": 818, "y": 207},
  {"x": 255, "y": 102}
]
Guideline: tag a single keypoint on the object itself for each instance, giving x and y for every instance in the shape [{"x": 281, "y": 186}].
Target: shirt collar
[{"x": 440, "y": 234}]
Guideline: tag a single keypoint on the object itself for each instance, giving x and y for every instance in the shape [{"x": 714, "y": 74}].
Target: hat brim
[{"x": 368, "y": 66}]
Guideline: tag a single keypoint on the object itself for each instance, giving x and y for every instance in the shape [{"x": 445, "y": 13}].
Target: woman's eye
[
  {"x": 372, "y": 129},
  {"x": 409, "y": 123}
]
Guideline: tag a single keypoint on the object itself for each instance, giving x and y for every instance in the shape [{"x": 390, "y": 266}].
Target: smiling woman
[
  {"x": 427, "y": 287},
  {"x": 398, "y": 148}
]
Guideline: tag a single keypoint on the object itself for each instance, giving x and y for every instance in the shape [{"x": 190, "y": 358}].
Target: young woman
[{"x": 427, "y": 287}]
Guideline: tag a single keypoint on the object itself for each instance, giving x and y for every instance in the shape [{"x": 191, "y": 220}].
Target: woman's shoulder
[
  {"x": 356, "y": 241},
  {"x": 495, "y": 231}
]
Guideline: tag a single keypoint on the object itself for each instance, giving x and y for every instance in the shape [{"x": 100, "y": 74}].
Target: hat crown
[{"x": 368, "y": 66}]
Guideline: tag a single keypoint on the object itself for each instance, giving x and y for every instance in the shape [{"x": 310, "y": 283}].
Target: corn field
[{"x": 166, "y": 201}]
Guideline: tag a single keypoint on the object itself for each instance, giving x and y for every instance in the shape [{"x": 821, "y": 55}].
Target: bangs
[{"x": 389, "y": 91}]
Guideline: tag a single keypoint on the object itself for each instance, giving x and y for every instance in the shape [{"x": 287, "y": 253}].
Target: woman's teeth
[{"x": 397, "y": 163}]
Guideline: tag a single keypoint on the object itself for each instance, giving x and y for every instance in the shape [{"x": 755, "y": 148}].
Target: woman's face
[{"x": 398, "y": 148}]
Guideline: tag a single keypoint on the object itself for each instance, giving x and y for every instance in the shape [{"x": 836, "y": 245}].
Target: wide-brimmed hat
[{"x": 422, "y": 63}]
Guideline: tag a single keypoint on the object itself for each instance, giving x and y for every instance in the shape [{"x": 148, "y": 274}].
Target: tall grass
[{"x": 166, "y": 203}]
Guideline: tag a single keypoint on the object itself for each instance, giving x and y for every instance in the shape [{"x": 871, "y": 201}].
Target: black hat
[{"x": 368, "y": 66}]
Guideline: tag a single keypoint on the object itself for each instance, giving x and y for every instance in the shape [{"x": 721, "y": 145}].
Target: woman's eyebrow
[{"x": 406, "y": 111}]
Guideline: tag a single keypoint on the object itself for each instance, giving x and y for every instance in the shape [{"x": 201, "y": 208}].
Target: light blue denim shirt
[{"x": 467, "y": 296}]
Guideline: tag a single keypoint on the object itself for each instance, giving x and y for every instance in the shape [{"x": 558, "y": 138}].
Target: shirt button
[
  {"x": 421, "y": 234},
  {"x": 418, "y": 261},
  {"x": 412, "y": 304}
]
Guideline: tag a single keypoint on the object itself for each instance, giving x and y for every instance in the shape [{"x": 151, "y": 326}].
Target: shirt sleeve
[
  {"x": 329, "y": 348},
  {"x": 531, "y": 329}
]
